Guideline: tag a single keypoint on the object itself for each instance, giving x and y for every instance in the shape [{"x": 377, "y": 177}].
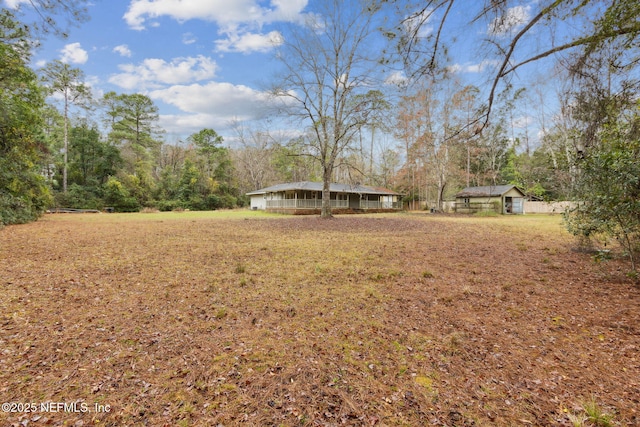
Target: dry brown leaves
[{"x": 381, "y": 320}]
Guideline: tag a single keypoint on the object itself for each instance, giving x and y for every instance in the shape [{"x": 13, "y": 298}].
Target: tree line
[{"x": 426, "y": 138}]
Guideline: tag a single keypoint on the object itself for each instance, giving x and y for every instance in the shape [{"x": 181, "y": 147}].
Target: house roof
[
  {"x": 487, "y": 191},
  {"x": 317, "y": 186}
]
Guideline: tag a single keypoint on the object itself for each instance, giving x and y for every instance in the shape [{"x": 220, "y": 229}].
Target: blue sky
[{"x": 205, "y": 63}]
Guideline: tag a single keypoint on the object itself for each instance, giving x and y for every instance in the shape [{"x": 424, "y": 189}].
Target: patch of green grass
[
  {"x": 425, "y": 382},
  {"x": 377, "y": 277},
  {"x": 485, "y": 214},
  {"x": 371, "y": 292},
  {"x": 576, "y": 420},
  {"x": 397, "y": 346},
  {"x": 602, "y": 255},
  {"x": 590, "y": 415},
  {"x": 223, "y": 214},
  {"x": 596, "y": 415}
]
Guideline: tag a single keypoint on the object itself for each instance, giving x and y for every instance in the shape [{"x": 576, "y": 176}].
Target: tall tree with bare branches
[
  {"x": 328, "y": 67},
  {"x": 518, "y": 33}
]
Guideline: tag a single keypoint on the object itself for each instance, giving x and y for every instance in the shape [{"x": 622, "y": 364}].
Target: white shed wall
[{"x": 258, "y": 202}]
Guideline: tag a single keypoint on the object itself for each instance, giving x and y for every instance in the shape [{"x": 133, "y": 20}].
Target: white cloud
[
  {"x": 522, "y": 122},
  {"x": 473, "y": 68},
  {"x": 123, "y": 50},
  {"x": 239, "y": 21},
  {"x": 455, "y": 68},
  {"x": 212, "y": 105},
  {"x": 479, "y": 68},
  {"x": 249, "y": 42},
  {"x": 153, "y": 73},
  {"x": 220, "y": 99},
  {"x": 185, "y": 124},
  {"x": 513, "y": 18},
  {"x": 418, "y": 25},
  {"x": 13, "y": 4},
  {"x": 189, "y": 38},
  {"x": 93, "y": 82},
  {"x": 73, "y": 53},
  {"x": 397, "y": 78},
  {"x": 226, "y": 13}
]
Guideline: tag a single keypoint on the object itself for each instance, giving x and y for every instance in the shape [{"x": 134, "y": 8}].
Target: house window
[{"x": 466, "y": 201}]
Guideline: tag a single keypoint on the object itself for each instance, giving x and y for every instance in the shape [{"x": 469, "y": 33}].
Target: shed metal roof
[
  {"x": 317, "y": 186},
  {"x": 487, "y": 191}
]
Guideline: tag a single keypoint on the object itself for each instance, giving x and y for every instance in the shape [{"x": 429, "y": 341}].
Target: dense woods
[{"x": 426, "y": 136}]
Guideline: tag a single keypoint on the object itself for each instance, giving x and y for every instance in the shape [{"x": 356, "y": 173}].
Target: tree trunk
[
  {"x": 66, "y": 142},
  {"x": 326, "y": 194}
]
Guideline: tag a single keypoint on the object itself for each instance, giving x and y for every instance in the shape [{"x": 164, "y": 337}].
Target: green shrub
[
  {"x": 227, "y": 201},
  {"x": 117, "y": 196},
  {"x": 79, "y": 197},
  {"x": 24, "y": 201},
  {"x": 168, "y": 205}
]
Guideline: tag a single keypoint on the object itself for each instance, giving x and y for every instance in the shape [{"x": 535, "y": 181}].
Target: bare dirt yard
[{"x": 214, "y": 319}]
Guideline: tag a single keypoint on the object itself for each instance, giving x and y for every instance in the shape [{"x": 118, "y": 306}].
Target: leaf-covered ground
[{"x": 198, "y": 319}]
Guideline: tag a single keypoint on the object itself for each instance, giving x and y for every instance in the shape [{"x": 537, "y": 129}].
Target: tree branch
[
  {"x": 580, "y": 42},
  {"x": 437, "y": 42},
  {"x": 512, "y": 47}
]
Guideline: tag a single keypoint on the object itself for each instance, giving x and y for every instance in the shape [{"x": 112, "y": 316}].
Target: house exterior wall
[
  {"x": 388, "y": 202},
  {"x": 517, "y": 202},
  {"x": 513, "y": 193},
  {"x": 471, "y": 205},
  {"x": 258, "y": 202},
  {"x": 294, "y": 201},
  {"x": 511, "y": 202}
]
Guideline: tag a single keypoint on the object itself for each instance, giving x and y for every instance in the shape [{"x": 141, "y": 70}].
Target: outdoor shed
[
  {"x": 305, "y": 197},
  {"x": 503, "y": 199}
]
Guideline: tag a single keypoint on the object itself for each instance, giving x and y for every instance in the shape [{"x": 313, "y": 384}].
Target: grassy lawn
[{"x": 239, "y": 317}]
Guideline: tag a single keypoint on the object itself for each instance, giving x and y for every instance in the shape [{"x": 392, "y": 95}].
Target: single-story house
[
  {"x": 503, "y": 199},
  {"x": 305, "y": 197}
]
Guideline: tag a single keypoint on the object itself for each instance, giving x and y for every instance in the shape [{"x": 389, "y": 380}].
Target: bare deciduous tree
[
  {"x": 329, "y": 66},
  {"x": 428, "y": 123},
  {"x": 423, "y": 35},
  {"x": 253, "y": 158}
]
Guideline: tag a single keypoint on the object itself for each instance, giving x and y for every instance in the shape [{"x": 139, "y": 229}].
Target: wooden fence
[{"x": 547, "y": 207}]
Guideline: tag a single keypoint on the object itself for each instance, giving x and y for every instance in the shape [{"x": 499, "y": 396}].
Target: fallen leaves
[{"x": 385, "y": 320}]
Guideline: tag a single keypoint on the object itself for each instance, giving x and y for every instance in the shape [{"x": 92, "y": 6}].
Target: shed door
[
  {"x": 508, "y": 205},
  {"x": 518, "y": 205}
]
